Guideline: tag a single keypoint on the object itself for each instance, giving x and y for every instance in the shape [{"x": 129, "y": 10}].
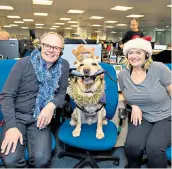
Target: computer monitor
[
  {"x": 71, "y": 58},
  {"x": 9, "y": 49},
  {"x": 160, "y": 47}
]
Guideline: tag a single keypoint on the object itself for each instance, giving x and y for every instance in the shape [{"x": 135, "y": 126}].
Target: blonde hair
[
  {"x": 52, "y": 33},
  {"x": 146, "y": 64}
]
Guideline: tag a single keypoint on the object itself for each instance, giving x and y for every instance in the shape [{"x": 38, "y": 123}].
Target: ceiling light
[
  {"x": 28, "y": 20},
  {"x": 109, "y": 26},
  {"x": 75, "y": 26},
  {"x": 24, "y": 27},
  {"x": 75, "y": 11},
  {"x": 159, "y": 30},
  {"x": 65, "y": 19},
  {"x": 59, "y": 23},
  {"x": 42, "y": 2},
  {"x": 96, "y": 17},
  {"x": 134, "y": 16},
  {"x": 169, "y": 5},
  {"x": 18, "y": 22},
  {"x": 6, "y": 7},
  {"x": 10, "y": 16},
  {"x": 13, "y": 25},
  {"x": 72, "y": 22},
  {"x": 55, "y": 26},
  {"x": 95, "y": 25},
  {"x": 68, "y": 28},
  {"x": 121, "y": 24},
  {"x": 121, "y": 8},
  {"x": 41, "y": 14},
  {"x": 113, "y": 32},
  {"x": 38, "y": 27},
  {"x": 39, "y": 24},
  {"x": 111, "y": 21},
  {"x": 7, "y": 26}
]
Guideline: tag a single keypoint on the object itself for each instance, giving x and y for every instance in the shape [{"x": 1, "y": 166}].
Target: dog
[{"x": 87, "y": 92}]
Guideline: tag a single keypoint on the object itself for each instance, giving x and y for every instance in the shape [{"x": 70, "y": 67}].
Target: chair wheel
[
  {"x": 116, "y": 163},
  {"x": 60, "y": 156}
]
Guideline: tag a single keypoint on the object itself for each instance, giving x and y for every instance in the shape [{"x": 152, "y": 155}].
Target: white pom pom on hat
[{"x": 137, "y": 43}]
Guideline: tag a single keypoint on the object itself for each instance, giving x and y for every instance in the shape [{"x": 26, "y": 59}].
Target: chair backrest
[
  {"x": 111, "y": 90},
  {"x": 169, "y": 65},
  {"x": 5, "y": 68}
]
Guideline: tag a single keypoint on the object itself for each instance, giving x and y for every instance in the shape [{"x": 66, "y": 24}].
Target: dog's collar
[
  {"x": 89, "y": 113},
  {"x": 83, "y": 100}
]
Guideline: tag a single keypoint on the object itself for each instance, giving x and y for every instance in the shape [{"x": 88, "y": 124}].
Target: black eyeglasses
[{"x": 48, "y": 47}]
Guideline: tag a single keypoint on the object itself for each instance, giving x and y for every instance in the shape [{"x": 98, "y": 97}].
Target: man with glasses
[
  {"x": 34, "y": 88},
  {"x": 133, "y": 32}
]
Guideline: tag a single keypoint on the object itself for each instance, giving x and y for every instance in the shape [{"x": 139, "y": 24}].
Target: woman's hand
[
  {"x": 46, "y": 115},
  {"x": 136, "y": 115}
]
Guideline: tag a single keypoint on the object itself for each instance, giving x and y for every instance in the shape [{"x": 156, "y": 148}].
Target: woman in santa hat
[{"x": 146, "y": 86}]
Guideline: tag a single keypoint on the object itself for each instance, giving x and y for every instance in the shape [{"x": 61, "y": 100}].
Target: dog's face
[{"x": 87, "y": 68}]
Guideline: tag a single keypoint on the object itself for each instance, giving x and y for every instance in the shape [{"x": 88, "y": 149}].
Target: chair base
[{"x": 89, "y": 160}]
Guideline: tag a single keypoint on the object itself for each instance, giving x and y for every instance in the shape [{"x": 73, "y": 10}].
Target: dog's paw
[
  {"x": 100, "y": 135},
  {"x": 73, "y": 123},
  {"x": 105, "y": 122},
  {"x": 76, "y": 133}
]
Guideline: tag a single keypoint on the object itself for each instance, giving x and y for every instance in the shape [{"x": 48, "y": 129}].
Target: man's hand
[
  {"x": 46, "y": 115},
  {"x": 136, "y": 115},
  {"x": 12, "y": 136}
]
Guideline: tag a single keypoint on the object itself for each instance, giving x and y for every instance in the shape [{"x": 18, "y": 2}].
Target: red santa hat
[{"x": 138, "y": 43}]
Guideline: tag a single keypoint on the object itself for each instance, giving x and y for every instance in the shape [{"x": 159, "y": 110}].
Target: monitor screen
[
  {"x": 71, "y": 49},
  {"x": 160, "y": 47},
  {"x": 9, "y": 49}
]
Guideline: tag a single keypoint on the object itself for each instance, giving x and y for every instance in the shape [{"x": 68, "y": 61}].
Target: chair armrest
[{"x": 122, "y": 113}]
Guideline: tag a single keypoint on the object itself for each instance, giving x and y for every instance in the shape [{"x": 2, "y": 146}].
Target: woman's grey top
[
  {"x": 151, "y": 95},
  {"x": 19, "y": 94}
]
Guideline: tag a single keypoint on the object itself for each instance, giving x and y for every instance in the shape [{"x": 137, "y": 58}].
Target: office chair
[
  {"x": 6, "y": 66},
  {"x": 87, "y": 141}
]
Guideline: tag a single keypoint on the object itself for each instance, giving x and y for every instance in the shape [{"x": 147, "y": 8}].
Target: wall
[
  {"x": 17, "y": 31},
  {"x": 25, "y": 32}
]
